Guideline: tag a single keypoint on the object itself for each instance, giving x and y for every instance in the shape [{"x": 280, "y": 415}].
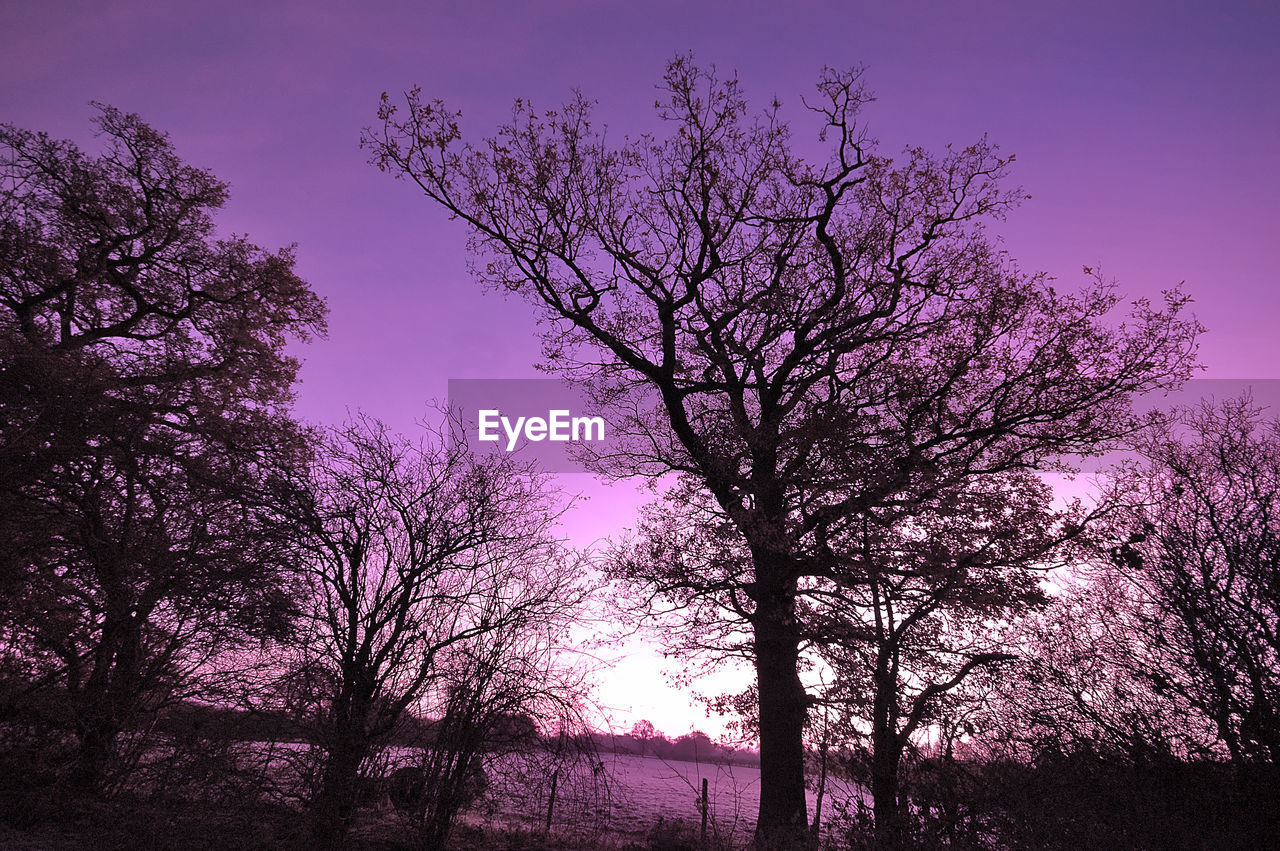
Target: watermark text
[{"x": 559, "y": 426}]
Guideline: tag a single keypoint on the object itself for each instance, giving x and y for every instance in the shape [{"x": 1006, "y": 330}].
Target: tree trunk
[
  {"x": 782, "y": 822},
  {"x": 815, "y": 828},
  {"x": 93, "y": 755},
  {"x": 105, "y": 702},
  {"x": 334, "y": 806},
  {"x": 884, "y": 794},
  {"x": 885, "y": 758}
]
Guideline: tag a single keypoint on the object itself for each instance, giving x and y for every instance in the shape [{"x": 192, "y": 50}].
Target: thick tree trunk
[
  {"x": 105, "y": 702},
  {"x": 886, "y": 755},
  {"x": 93, "y": 756},
  {"x": 782, "y": 822},
  {"x": 884, "y": 794},
  {"x": 334, "y": 806}
]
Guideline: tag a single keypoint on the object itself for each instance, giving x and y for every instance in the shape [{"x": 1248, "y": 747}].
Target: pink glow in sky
[{"x": 1147, "y": 134}]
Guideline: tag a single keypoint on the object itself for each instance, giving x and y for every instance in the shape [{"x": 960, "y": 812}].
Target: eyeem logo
[
  {"x": 559, "y": 426},
  {"x": 551, "y": 422}
]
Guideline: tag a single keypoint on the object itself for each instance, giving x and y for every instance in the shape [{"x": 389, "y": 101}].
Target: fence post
[
  {"x": 551, "y": 803},
  {"x": 705, "y": 808}
]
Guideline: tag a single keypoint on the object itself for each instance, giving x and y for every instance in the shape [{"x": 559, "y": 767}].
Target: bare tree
[
  {"x": 1151, "y": 679},
  {"x": 1099, "y": 717},
  {"x": 822, "y": 337},
  {"x": 910, "y": 609},
  {"x": 436, "y": 588},
  {"x": 1197, "y": 560},
  {"x": 918, "y": 611},
  {"x": 1087, "y": 682}
]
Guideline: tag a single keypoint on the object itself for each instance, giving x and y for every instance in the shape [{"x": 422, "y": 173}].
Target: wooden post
[
  {"x": 705, "y": 808},
  {"x": 551, "y": 803},
  {"x": 815, "y": 829}
]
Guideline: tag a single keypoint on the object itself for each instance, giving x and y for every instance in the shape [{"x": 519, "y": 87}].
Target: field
[
  {"x": 625, "y": 802},
  {"x": 643, "y": 792}
]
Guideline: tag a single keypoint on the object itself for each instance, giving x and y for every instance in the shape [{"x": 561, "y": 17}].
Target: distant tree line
[{"x": 696, "y": 746}]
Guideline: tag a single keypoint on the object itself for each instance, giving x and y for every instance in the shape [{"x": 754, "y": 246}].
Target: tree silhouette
[
  {"x": 914, "y": 612},
  {"x": 434, "y": 587},
  {"x": 143, "y": 424},
  {"x": 822, "y": 338},
  {"x": 1197, "y": 567},
  {"x": 906, "y": 613}
]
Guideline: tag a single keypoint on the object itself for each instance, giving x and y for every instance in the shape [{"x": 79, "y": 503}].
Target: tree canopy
[
  {"x": 828, "y": 339},
  {"x": 144, "y": 424}
]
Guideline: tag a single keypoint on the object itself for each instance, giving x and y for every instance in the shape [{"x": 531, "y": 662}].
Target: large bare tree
[
  {"x": 822, "y": 337},
  {"x": 435, "y": 589}
]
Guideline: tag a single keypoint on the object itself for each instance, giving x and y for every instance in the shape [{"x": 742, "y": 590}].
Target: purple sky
[{"x": 1147, "y": 134}]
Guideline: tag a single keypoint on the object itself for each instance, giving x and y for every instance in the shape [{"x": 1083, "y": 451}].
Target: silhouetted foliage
[
  {"x": 434, "y": 585},
  {"x": 918, "y": 610},
  {"x": 1164, "y": 646},
  {"x": 1136, "y": 716},
  {"x": 908, "y": 612},
  {"x": 824, "y": 338},
  {"x": 1085, "y": 682},
  {"x": 1197, "y": 568},
  {"x": 143, "y": 429}
]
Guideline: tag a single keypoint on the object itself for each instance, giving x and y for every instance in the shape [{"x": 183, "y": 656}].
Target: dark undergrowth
[
  {"x": 1071, "y": 803},
  {"x": 64, "y": 823}
]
